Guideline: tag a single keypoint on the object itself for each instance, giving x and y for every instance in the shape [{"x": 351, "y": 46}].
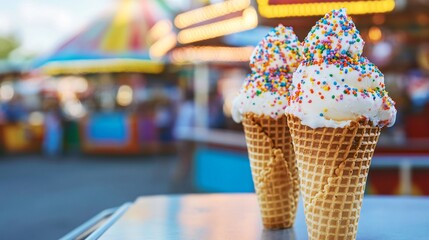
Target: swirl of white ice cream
[
  {"x": 265, "y": 90},
  {"x": 329, "y": 96},
  {"x": 340, "y": 87},
  {"x": 278, "y": 51},
  {"x": 334, "y": 35},
  {"x": 262, "y": 94}
]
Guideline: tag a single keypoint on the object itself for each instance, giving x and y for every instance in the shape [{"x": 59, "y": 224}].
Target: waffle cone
[
  {"x": 274, "y": 171},
  {"x": 333, "y": 166}
]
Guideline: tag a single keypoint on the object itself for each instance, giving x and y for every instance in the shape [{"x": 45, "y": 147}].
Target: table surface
[{"x": 236, "y": 216}]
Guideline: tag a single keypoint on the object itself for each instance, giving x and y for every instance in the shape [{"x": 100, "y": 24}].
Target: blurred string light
[
  {"x": 162, "y": 37},
  {"x": 6, "y": 91},
  {"x": 211, "y": 54},
  {"x": 206, "y": 13},
  {"x": 124, "y": 96},
  {"x": 36, "y": 118},
  {"x": 248, "y": 20},
  {"x": 163, "y": 45},
  {"x": 160, "y": 29},
  {"x": 375, "y": 34},
  {"x": 312, "y": 8}
]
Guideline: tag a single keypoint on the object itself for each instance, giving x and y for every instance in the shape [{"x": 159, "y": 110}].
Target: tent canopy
[{"x": 118, "y": 41}]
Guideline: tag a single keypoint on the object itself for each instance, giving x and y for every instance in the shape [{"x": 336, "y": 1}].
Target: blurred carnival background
[{"x": 102, "y": 101}]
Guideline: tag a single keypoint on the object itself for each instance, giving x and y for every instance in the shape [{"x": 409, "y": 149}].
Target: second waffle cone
[{"x": 274, "y": 171}]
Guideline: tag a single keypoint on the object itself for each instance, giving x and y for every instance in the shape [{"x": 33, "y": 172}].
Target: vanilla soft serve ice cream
[
  {"x": 335, "y": 85},
  {"x": 272, "y": 63}
]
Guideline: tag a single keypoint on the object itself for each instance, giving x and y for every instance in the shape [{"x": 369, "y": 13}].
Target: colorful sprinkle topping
[
  {"x": 334, "y": 36},
  {"x": 273, "y": 61},
  {"x": 334, "y": 82},
  {"x": 278, "y": 51}
]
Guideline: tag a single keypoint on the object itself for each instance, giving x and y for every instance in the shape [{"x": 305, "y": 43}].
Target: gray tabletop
[{"x": 236, "y": 216}]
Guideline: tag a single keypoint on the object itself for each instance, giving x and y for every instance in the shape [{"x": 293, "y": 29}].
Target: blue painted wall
[
  {"x": 219, "y": 170},
  {"x": 109, "y": 128}
]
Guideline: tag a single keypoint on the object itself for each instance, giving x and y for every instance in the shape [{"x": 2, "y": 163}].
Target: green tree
[{"x": 7, "y": 45}]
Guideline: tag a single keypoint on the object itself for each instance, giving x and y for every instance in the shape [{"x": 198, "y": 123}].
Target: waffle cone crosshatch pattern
[
  {"x": 273, "y": 168},
  {"x": 333, "y": 166}
]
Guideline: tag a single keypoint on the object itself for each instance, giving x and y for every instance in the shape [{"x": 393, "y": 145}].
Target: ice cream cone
[
  {"x": 333, "y": 166},
  {"x": 274, "y": 171}
]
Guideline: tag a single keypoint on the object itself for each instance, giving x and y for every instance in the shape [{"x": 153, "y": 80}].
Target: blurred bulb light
[
  {"x": 124, "y": 96},
  {"x": 80, "y": 84},
  {"x": 247, "y": 21},
  {"x": 72, "y": 84},
  {"x": 163, "y": 45},
  {"x": 74, "y": 108},
  {"x": 199, "y": 15},
  {"x": 6, "y": 91},
  {"x": 375, "y": 34},
  {"x": 36, "y": 118},
  {"x": 63, "y": 85},
  {"x": 160, "y": 29},
  {"x": 320, "y": 8},
  {"x": 211, "y": 54}
]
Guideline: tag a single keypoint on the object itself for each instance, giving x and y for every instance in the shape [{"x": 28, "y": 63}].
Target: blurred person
[
  {"x": 164, "y": 119},
  {"x": 53, "y": 129},
  {"x": 183, "y": 127},
  {"x": 2, "y": 115},
  {"x": 216, "y": 116},
  {"x": 14, "y": 110},
  {"x": 15, "y": 133},
  {"x": 2, "y": 121},
  {"x": 146, "y": 124}
]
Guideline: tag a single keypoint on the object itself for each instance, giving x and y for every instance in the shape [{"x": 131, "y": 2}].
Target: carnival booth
[
  {"x": 21, "y": 122},
  {"x": 114, "y": 82}
]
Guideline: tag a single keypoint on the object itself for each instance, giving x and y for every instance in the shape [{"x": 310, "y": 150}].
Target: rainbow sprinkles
[
  {"x": 335, "y": 85},
  {"x": 265, "y": 90}
]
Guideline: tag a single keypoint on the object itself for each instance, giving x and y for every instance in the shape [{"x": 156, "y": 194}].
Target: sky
[{"x": 42, "y": 25}]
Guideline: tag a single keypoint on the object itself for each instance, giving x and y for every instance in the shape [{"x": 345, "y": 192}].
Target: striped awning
[{"x": 118, "y": 41}]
